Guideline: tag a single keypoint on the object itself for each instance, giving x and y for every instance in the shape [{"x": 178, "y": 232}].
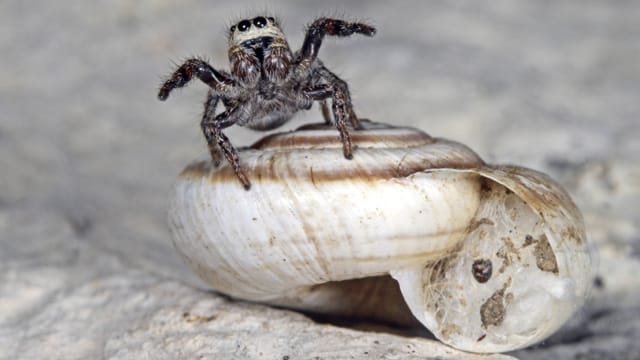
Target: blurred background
[{"x": 88, "y": 154}]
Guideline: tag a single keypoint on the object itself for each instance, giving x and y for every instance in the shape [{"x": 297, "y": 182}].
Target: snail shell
[{"x": 488, "y": 258}]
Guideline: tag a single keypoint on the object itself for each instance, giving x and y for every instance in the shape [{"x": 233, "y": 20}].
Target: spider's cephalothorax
[{"x": 268, "y": 83}]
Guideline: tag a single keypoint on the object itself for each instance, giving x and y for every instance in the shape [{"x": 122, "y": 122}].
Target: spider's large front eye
[
  {"x": 260, "y": 22},
  {"x": 244, "y": 25}
]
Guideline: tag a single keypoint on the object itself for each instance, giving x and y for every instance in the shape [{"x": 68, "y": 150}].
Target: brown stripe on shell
[
  {"x": 309, "y": 139},
  {"x": 368, "y": 134},
  {"x": 265, "y": 171},
  {"x": 381, "y": 152}
]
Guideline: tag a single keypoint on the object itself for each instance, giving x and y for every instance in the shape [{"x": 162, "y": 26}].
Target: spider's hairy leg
[
  {"x": 341, "y": 106},
  {"x": 212, "y": 129},
  {"x": 326, "y": 115},
  {"x": 198, "y": 68},
  {"x": 335, "y": 27},
  {"x": 208, "y": 116}
]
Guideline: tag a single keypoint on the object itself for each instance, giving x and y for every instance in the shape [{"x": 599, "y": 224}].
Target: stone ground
[{"x": 88, "y": 156}]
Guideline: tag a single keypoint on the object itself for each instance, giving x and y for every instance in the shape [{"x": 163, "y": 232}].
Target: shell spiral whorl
[{"x": 487, "y": 258}]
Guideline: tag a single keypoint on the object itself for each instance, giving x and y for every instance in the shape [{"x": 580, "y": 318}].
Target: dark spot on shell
[
  {"x": 492, "y": 311},
  {"x": 485, "y": 187},
  {"x": 477, "y": 223},
  {"x": 545, "y": 258},
  {"x": 528, "y": 240},
  {"x": 481, "y": 270}
]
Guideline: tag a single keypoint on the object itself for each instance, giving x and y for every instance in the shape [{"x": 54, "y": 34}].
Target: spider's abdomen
[
  {"x": 270, "y": 114},
  {"x": 269, "y": 120},
  {"x": 273, "y": 105}
]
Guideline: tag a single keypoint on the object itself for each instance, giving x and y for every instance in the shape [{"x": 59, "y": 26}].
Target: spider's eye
[
  {"x": 233, "y": 28},
  {"x": 259, "y": 22},
  {"x": 272, "y": 19},
  {"x": 244, "y": 25}
]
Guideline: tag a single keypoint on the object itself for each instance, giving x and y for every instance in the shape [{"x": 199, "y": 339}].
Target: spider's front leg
[
  {"x": 212, "y": 126},
  {"x": 200, "y": 69},
  {"x": 326, "y": 115},
  {"x": 325, "y": 26}
]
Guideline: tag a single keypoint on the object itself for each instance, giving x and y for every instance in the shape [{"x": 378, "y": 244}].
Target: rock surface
[{"x": 88, "y": 156}]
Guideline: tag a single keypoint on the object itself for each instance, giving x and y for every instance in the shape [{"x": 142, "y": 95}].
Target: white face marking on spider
[{"x": 247, "y": 30}]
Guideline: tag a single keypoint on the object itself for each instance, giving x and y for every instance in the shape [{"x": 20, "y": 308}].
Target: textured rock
[
  {"x": 68, "y": 300},
  {"x": 88, "y": 155}
]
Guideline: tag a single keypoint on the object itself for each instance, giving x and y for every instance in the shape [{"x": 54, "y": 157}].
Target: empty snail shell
[{"x": 488, "y": 258}]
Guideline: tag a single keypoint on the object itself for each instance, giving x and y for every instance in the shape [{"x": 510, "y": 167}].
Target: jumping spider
[{"x": 268, "y": 83}]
